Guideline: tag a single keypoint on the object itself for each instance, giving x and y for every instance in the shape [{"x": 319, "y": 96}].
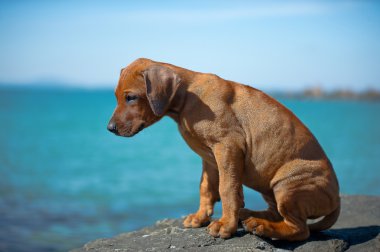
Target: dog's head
[{"x": 144, "y": 93}]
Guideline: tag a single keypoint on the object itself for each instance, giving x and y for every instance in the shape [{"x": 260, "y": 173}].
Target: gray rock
[{"x": 357, "y": 229}]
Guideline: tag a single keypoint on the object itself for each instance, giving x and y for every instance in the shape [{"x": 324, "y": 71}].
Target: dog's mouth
[
  {"x": 140, "y": 128},
  {"x": 134, "y": 132}
]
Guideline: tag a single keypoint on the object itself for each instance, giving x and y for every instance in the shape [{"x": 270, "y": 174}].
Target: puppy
[{"x": 244, "y": 137}]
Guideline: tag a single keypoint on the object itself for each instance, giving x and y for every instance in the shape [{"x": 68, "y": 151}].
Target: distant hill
[{"x": 318, "y": 93}]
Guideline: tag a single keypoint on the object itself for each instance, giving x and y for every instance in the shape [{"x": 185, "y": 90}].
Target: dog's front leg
[
  {"x": 209, "y": 194},
  {"x": 230, "y": 161}
]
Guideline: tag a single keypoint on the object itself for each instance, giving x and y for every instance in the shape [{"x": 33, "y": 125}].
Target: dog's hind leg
[
  {"x": 270, "y": 214},
  {"x": 302, "y": 189},
  {"x": 292, "y": 205},
  {"x": 292, "y": 227},
  {"x": 287, "y": 229}
]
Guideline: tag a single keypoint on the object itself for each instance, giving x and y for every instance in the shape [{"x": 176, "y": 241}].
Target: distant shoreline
[
  {"x": 314, "y": 93},
  {"x": 338, "y": 94}
]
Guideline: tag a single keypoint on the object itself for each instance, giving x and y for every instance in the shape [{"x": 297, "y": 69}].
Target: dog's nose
[{"x": 112, "y": 127}]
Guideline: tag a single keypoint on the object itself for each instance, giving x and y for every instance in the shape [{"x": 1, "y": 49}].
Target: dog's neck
[{"x": 177, "y": 103}]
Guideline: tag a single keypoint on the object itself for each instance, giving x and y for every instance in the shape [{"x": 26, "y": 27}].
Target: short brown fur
[{"x": 244, "y": 137}]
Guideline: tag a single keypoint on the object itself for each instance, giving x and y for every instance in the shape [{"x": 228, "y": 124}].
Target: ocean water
[{"x": 65, "y": 180}]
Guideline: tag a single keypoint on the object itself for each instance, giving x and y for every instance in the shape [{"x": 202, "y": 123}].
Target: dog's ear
[{"x": 161, "y": 85}]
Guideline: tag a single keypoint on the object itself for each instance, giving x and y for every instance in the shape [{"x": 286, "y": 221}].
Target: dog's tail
[{"x": 326, "y": 222}]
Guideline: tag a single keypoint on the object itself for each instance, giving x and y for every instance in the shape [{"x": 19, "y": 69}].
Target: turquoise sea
[{"x": 65, "y": 180}]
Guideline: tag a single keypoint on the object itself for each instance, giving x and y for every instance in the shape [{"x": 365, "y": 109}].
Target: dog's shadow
[{"x": 352, "y": 236}]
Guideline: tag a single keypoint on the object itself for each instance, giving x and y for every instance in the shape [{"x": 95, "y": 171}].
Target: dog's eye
[{"x": 131, "y": 98}]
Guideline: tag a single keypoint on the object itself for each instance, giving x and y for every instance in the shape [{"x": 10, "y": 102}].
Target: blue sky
[{"x": 271, "y": 45}]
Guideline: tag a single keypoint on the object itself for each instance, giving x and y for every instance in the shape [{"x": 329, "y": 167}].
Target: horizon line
[{"x": 109, "y": 86}]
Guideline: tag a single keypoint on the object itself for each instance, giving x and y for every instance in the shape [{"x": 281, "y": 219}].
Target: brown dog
[{"x": 244, "y": 138}]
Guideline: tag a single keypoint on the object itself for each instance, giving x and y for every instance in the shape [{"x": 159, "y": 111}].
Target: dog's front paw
[
  {"x": 222, "y": 229},
  {"x": 196, "y": 220}
]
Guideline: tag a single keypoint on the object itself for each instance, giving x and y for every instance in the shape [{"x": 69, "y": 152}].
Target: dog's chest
[{"x": 197, "y": 143}]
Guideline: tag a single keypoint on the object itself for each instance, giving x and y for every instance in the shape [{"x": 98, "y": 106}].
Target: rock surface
[{"x": 358, "y": 229}]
